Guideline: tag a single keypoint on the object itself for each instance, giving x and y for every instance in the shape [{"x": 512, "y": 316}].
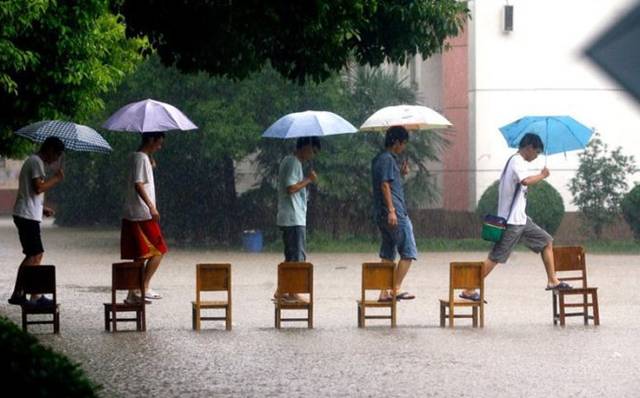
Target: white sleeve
[
  {"x": 139, "y": 169},
  {"x": 522, "y": 169},
  {"x": 37, "y": 169}
]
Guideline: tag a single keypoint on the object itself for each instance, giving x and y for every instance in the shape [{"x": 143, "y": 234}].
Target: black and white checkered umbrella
[{"x": 74, "y": 136}]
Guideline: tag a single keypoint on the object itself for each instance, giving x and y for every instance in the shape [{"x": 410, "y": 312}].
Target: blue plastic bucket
[{"x": 252, "y": 240}]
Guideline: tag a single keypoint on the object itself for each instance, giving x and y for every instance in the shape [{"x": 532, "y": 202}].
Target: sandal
[
  {"x": 405, "y": 296},
  {"x": 386, "y": 299},
  {"x": 559, "y": 286},
  {"x": 474, "y": 297}
]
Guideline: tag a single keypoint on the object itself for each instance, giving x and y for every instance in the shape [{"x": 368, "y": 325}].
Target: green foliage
[
  {"x": 544, "y": 205},
  {"x": 31, "y": 370},
  {"x": 57, "y": 59},
  {"x": 301, "y": 40},
  {"x": 631, "y": 210},
  {"x": 600, "y": 184}
]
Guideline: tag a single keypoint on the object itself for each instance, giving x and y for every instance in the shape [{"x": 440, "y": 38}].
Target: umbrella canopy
[
  {"x": 309, "y": 124},
  {"x": 618, "y": 53},
  {"x": 558, "y": 133},
  {"x": 74, "y": 136},
  {"x": 148, "y": 116},
  {"x": 411, "y": 117}
]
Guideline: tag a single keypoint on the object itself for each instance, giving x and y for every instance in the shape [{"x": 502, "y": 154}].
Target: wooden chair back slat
[
  {"x": 295, "y": 278},
  {"x": 571, "y": 258},
  {"x": 213, "y": 277},
  {"x": 378, "y": 276},
  {"x": 465, "y": 275},
  {"x": 127, "y": 276},
  {"x": 39, "y": 279}
]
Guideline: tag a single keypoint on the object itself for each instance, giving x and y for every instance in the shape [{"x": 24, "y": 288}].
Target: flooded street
[{"x": 518, "y": 353}]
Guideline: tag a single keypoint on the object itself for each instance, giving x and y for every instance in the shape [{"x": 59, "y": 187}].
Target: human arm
[
  {"x": 40, "y": 185},
  {"x": 291, "y": 189},
  {"x": 145, "y": 198},
  {"x": 534, "y": 179},
  {"x": 392, "y": 217}
]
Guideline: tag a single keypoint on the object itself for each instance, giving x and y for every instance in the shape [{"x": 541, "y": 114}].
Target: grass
[{"x": 321, "y": 243}]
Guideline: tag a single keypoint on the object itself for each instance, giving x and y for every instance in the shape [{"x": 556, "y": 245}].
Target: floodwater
[{"x": 518, "y": 353}]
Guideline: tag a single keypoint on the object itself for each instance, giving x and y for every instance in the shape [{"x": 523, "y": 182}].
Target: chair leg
[
  {"x": 596, "y": 309},
  {"x": 393, "y": 316},
  {"x": 114, "y": 320},
  {"x": 481, "y": 315},
  {"x": 360, "y": 316},
  {"x": 228, "y": 317},
  {"x": 277, "y": 317},
  {"x": 193, "y": 318},
  {"x": 443, "y": 314},
  {"x": 24, "y": 320},
  {"x": 474, "y": 316},
  {"x": 143, "y": 318},
  {"x": 562, "y": 313},
  {"x": 554, "y": 298},
  {"x": 198, "y": 318},
  {"x": 451, "y": 315},
  {"x": 310, "y": 317},
  {"x": 107, "y": 321},
  {"x": 56, "y": 322},
  {"x": 585, "y": 308}
]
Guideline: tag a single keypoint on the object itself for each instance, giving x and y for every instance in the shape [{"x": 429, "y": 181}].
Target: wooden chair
[
  {"x": 463, "y": 275},
  {"x": 571, "y": 260},
  {"x": 294, "y": 278},
  {"x": 40, "y": 279},
  {"x": 377, "y": 276},
  {"x": 126, "y": 276},
  {"x": 212, "y": 278}
]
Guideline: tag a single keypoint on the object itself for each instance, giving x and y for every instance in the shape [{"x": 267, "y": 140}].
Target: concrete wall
[{"x": 540, "y": 68}]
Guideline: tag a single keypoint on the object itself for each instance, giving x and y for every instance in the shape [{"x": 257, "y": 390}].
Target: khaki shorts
[{"x": 530, "y": 234}]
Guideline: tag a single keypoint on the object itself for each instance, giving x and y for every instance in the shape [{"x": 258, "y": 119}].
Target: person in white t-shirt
[
  {"x": 512, "y": 204},
  {"x": 141, "y": 238},
  {"x": 29, "y": 209}
]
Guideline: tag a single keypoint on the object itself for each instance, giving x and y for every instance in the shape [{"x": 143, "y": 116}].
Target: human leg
[
  {"x": 539, "y": 241},
  {"x": 149, "y": 270}
]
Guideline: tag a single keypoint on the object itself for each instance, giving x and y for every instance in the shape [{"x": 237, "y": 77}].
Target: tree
[
  {"x": 300, "y": 39},
  {"x": 57, "y": 58},
  {"x": 600, "y": 184}
]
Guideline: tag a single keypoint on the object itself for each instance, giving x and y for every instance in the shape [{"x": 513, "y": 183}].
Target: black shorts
[{"x": 29, "y": 233}]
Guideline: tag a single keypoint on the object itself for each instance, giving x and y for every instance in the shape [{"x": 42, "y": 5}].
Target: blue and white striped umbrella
[{"x": 74, "y": 136}]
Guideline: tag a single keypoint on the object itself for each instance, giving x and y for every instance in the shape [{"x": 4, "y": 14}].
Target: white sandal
[{"x": 151, "y": 294}]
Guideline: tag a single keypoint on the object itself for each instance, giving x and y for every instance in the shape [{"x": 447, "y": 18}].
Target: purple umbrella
[{"x": 148, "y": 116}]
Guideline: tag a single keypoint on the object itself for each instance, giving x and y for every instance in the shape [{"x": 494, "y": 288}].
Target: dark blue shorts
[
  {"x": 398, "y": 240},
  {"x": 294, "y": 239},
  {"x": 29, "y": 234}
]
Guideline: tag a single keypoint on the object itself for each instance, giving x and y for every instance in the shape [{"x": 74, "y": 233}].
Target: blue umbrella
[
  {"x": 75, "y": 137},
  {"x": 558, "y": 133},
  {"x": 309, "y": 124}
]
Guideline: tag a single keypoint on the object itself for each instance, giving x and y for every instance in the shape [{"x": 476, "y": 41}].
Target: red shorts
[{"x": 141, "y": 239}]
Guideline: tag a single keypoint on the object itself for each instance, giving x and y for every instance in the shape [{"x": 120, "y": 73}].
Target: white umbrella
[
  {"x": 309, "y": 124},
  {"x": 411, "y": 117},
  {"x": 148, "y": 116}
]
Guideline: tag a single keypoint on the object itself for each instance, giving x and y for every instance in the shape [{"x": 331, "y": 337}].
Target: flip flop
[
  {"x": 405, "y": 296},
  {"x": 474, "y": 297},
  {"x": 559, "y": 286}
]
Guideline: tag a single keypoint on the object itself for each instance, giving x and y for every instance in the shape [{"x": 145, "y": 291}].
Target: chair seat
[
  {"x": 375, "y": 303},
  {"x": 123, "y": 307},
  {"x": 460, "y": 302},
  {"x": 291, "y": 304},
  {"x": 39, "y": 309},
  {"x": 577, "y": 290},
  {"x": 210, "y": 304}
]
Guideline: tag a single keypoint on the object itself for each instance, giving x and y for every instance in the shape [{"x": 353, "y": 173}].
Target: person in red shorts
[{"x": 141, "y": 238}]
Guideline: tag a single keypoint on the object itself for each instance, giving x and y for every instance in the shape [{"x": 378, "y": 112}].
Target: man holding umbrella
[
  {"x": 512, "y": 202},
  {"x": 293, "y": 197},
  {"x": 390, "y": 210},
  {"x": 29, "y": 209}
]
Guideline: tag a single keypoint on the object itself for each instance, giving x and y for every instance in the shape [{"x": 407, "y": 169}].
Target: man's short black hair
[
  {"x": 395, "y": 134},
  {"x": 533, "y": 140},
  {"x": 304, "y": 141},
  {"x": 54, "y": 144},
  {"x": 152, "y": 136}
]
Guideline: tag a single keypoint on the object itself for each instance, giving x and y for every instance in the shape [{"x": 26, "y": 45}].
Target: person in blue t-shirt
[{"x": 390, "y": 210}]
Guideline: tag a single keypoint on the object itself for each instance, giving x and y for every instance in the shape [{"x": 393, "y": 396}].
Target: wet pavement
[{"x": 518, "y": 353}]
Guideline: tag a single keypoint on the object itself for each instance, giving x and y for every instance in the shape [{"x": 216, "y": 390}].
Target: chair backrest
[
  {"x": 295, "y": 277},
  {"x": 571, "y": 258},
  {"x": 127, "y": 276},
  {"x": 39, "y": 279},
  {"x": 213, "y": 277},
  {"x": 378, "y": 276},
  {"x": 465, "y": 275}
]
